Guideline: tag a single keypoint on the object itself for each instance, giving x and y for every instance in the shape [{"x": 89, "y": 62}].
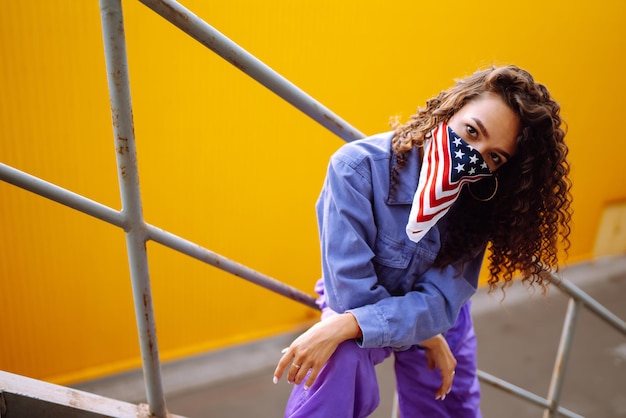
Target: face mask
[{"x": 449, "y": 162}]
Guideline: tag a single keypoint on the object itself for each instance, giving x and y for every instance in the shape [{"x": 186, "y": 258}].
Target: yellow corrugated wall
[{"x": 225, "y": 163}]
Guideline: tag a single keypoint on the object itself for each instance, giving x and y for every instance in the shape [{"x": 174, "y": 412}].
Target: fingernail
[
  {"x": 443, "y": 397},
  {"x": 306, "y": 387},
  {"x": 284, "y": 350},
  {"x": 275, "y": 379},
  {"x": 437, "y": 398},
  {"x": 449, "y": 390}
]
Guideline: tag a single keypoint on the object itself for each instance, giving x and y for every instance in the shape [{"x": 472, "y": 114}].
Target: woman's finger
[
  {"x": 283, "y": 363},
  {"x": 295, "y": 371},
  {"x": 446, "y": 385},
  {"x": 312, "y": 376}
]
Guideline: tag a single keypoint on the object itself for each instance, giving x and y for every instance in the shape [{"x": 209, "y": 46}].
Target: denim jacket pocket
[
  {"x": 399, "y": 265},
  {"x": 392, "y": 254}
]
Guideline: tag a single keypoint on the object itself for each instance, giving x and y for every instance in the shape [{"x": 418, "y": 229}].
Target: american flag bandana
[{"x": 449, "y": 162}]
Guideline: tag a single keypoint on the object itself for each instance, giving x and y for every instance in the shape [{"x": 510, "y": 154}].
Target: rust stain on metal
[
  {"x": 238, "y": 64},
  {"x": 230, "y": 56},
  {"x": 147, "y": 307},
  {"x": 123, "y": 145},
  {"x": 173, "y": 12},
  {"x": 558, "y": 367},
  {"x": 150, "y": 345},
  {"x": 233, "y": 60},
  {"x": 143, "y": 411},
  {"x": 77, "y": 400},
  {"x": 115, "y": 116},
  {"x": 146, "y": 304},
  {"x": 334, "y": 121},
  {"x": 119, "y": 77}
]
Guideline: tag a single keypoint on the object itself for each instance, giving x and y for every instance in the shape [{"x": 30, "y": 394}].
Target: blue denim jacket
[{"x": 370, "y": 267}]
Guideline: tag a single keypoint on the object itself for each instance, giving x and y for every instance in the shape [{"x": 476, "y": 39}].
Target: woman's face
[{"x": 489, "y": 125}]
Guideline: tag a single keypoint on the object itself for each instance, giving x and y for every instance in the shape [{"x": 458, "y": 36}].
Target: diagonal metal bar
[
  {"x": 594, "y": 306},
  {"x": 60, "y": 195},
  {"x": 208, "y": 36},
  {"x": 521, "y": 393},
  {"x": 223, "y": 263}
]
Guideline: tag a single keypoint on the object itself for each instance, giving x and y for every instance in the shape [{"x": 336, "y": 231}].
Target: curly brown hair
[{"x": 529, "y": 216}]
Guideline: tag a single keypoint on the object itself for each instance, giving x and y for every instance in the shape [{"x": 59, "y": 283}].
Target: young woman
[{"x": 405, "y": 218}]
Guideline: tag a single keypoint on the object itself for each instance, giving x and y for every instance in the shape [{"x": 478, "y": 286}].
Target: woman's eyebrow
[{"x": 481, "y": 127}]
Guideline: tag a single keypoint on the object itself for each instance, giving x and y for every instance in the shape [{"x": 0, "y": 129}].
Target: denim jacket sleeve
[{"x": 349, "y": 237}]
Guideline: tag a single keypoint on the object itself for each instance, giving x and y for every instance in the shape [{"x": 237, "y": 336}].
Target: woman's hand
[
  {"x": 311, "y": 350},
  {"x": 439, "y": 355}
]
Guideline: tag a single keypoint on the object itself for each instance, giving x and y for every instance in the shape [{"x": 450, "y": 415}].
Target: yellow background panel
[{"x": 225, "y": 163}]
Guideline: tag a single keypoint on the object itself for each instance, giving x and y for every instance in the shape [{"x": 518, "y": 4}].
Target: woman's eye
[
  {"x": 495, "y": 158},
  {"x": 470, "y": 130}
]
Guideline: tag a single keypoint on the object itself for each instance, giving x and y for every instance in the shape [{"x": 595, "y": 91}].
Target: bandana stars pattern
[{"x": 468, "y": 161}]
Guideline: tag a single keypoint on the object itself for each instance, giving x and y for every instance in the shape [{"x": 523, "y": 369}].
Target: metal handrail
[
  {"x": 138, "y": 232},
  {"x": 578, "y": 299}
]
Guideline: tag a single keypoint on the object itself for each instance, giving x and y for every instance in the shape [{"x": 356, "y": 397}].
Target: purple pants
[{"x": 347, "y": 386}]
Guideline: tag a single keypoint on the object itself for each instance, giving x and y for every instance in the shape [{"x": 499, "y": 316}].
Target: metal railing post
[
  {"x": 562, "y": 357},
  {"x": 128, "y": 176}
]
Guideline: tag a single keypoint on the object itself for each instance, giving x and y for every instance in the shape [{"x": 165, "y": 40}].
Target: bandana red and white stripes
[{"x": 449, "y": 162}]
